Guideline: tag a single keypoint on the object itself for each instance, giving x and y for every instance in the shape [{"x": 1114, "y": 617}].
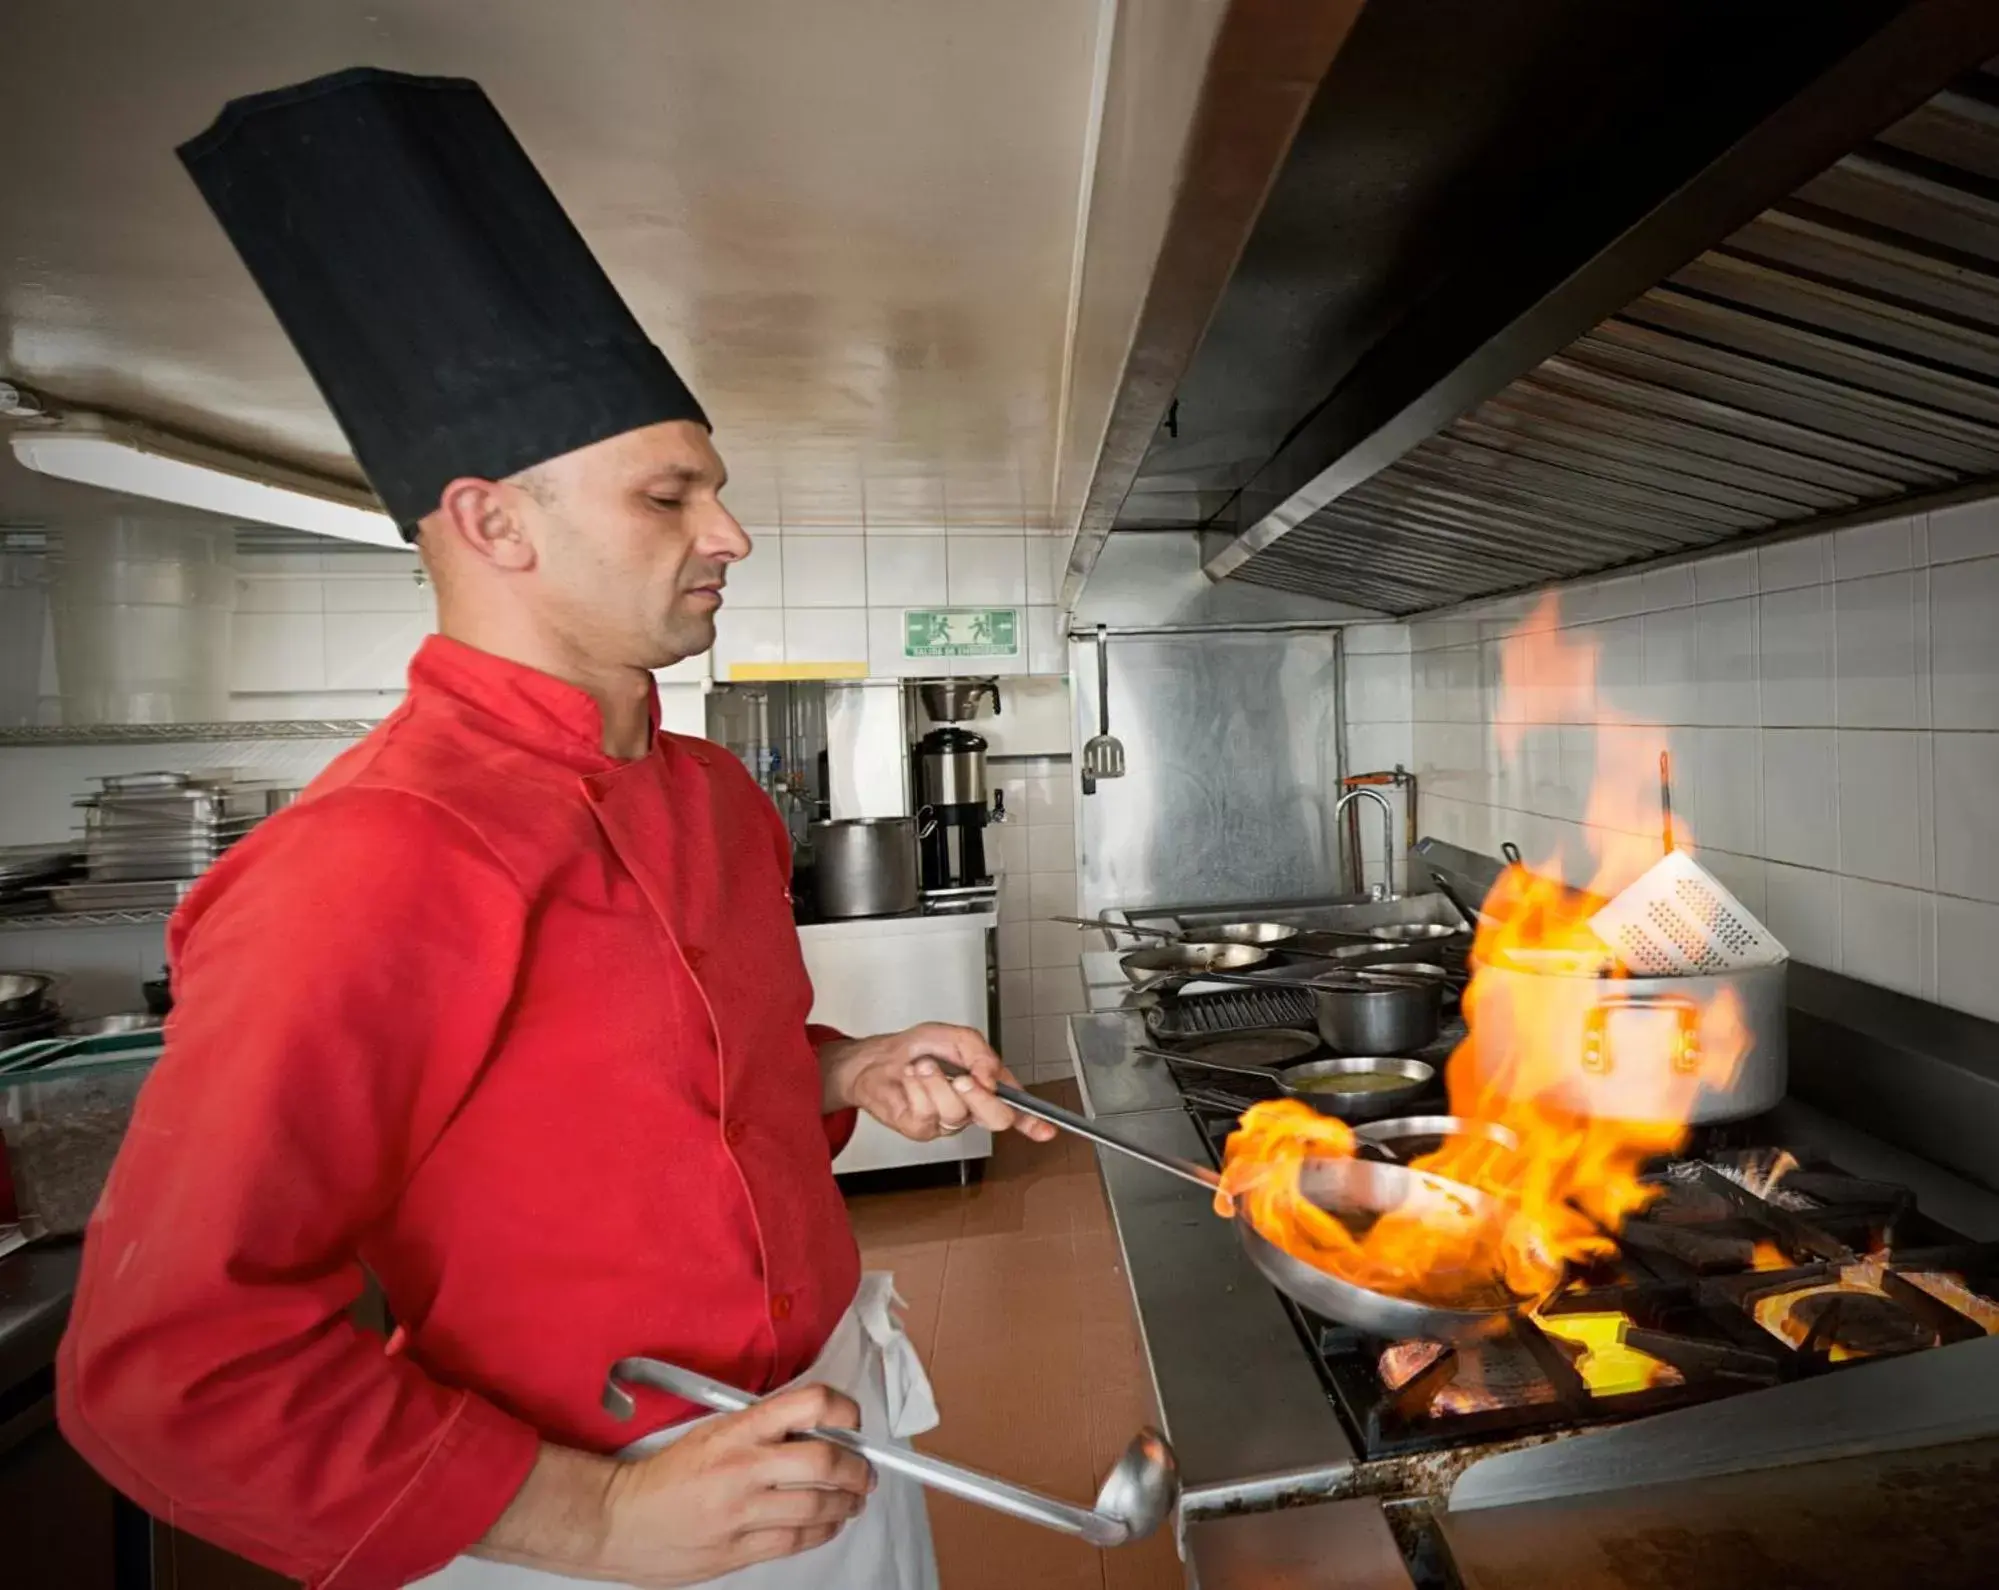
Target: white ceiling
[{"x": 852, "y": 225}]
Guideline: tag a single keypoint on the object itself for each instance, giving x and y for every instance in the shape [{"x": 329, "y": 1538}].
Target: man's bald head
[{"x": 614, "y": 554}]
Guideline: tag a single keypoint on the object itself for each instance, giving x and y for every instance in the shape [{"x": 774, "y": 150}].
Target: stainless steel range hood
[
  {"x": 1840, "y": 351},
  {"x": 1541, "y": 291}
]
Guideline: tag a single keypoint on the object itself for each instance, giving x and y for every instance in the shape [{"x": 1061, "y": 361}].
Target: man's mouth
[{"x": 710, "y": 594}]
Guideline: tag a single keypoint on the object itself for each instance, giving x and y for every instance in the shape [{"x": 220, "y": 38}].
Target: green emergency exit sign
[{"x": 961, "y": 632}]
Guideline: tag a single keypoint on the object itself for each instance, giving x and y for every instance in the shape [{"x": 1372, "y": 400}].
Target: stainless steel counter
[
  {"x": 1242, "y": 1404},
  {"x": 1347, "y": 1544}
]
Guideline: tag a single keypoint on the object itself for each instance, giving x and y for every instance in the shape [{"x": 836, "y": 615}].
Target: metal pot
[
  {"x": 1377, "y": 1015},
  {"x": 22, "y": 993},
  {"x": 866, "y": 866},
  {"x": 1606, "y": 1071}
]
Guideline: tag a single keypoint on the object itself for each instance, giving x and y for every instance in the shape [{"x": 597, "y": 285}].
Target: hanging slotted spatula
[
  {"x": 1677, "y": 919},
  {"x": 1103, "y": 755}
]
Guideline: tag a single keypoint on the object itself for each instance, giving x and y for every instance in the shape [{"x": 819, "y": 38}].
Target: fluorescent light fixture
[{"x": 138, "y": 462}]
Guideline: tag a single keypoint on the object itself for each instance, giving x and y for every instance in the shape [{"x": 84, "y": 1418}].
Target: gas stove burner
[
  {"x": 1686, "y": 1199},
  {"x": 1856, "y": 1325},
  {"x": 1952, "y": 1290},
  {"x": 1750, "y": 1265},
  {"x": 1432, "y": 1381},
  {"x": 1176, "y": 1018},
  {"x": 1764, "y": 1175},
  {"x": 1704, "y": 1251}
]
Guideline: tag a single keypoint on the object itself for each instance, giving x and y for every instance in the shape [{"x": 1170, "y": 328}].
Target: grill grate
[{"x": 1203, "y": 1015}]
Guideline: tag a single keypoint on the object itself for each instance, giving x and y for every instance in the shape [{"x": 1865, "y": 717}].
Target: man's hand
[
  {"x": 896, "y": 1079},
  {"x": 731, "y": 1492}
]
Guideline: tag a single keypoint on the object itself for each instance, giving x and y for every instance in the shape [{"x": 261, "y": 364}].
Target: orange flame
[
  {"x": 1588, "y": 1113},
  {"x": 1426, "y": 1250}
]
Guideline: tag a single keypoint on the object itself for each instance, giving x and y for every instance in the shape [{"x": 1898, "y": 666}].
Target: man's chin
[{"x": 692, "y": 635}]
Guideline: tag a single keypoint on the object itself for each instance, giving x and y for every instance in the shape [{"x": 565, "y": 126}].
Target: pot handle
[
  {"x": 926, "y": 821},
  {"x": 1596, "y": 1025}
]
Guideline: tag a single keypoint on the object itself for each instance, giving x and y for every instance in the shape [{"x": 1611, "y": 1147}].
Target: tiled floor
[{"x": 1017, "y": 1302}]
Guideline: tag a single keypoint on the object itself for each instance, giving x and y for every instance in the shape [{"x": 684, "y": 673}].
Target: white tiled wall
[
  {"x": 1832, "y": 709},
  {"x": 331, "y": 635},
  {"x": 812, "y": 595},
  {"x": 1041, "y": 984}
]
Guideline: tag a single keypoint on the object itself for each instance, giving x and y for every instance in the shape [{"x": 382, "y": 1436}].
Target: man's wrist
[
  {"x": 561, "y": 1518},
  {"x": 835, "y": 1066}
]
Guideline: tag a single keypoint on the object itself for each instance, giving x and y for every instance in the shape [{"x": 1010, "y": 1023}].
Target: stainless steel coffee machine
[{"x": 951, "y": 787}]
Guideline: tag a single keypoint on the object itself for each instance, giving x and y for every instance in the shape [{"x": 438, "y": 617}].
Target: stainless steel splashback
[{"x": 1232, "y": 757}]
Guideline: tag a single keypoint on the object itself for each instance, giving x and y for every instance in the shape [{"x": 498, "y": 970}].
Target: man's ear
[{"x": 488, "y": 518}]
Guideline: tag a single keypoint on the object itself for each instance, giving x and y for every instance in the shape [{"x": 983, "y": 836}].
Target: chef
[{"x": 507, "y": 1013}]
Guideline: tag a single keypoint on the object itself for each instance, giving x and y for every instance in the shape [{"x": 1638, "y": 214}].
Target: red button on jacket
[{"x": 434, "y": 1020}]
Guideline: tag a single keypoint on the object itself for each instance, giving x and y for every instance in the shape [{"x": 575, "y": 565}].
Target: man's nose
[{"x": 723, "y": 539}]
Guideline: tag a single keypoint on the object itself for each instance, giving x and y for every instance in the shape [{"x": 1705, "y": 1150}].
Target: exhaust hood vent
[{"x": 1839, "y": 352}]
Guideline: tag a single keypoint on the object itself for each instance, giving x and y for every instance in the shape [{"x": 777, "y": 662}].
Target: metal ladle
[{"x": 1141, "y": 1490}]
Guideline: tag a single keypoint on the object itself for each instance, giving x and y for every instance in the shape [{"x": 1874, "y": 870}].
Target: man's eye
[{"x": 666, "y": 502}]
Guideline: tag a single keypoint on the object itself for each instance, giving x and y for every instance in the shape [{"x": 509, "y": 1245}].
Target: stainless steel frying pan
[
  {"x": 1319, "y": 1082},
  {"x": 1143, "y": 967},
  {"x": 1262, "y": 935},
  {"x": 1355, "y": 1187}
]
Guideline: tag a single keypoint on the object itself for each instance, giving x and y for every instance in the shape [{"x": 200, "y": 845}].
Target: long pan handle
[
  {"x": 1268, "y": 1073},
  {"x": 988, "y": 1490},
  {"x": 1083, "y": 1126},
  {"x": 1311, "y": 983},
  {"x": 1114, "y": 927}
]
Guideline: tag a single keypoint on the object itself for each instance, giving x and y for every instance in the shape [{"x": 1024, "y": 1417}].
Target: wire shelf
[
  {"x": 176, "y": 733},
  {"x": 86, "y": 919}
]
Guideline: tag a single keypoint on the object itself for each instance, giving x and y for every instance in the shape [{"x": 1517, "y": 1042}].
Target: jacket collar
[{"x": 532, "y": 709}]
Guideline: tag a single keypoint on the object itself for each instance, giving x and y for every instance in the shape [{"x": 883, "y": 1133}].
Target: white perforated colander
[{"x": 1679, "y": 920}]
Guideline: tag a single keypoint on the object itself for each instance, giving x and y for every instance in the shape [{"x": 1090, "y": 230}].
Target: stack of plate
[{"x": 28, "y": 1009}]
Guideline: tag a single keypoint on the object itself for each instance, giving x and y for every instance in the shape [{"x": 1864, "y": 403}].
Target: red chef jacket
[{"x": 520, "y": 1029}]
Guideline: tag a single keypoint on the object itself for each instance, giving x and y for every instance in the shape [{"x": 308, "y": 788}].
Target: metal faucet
[{"x": 1384, "y": 890}]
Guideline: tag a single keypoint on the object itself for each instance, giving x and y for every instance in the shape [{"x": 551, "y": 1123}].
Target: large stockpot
[
  {"x": 1633, "y": 1048},
  {"x": 866, "y": 866}
]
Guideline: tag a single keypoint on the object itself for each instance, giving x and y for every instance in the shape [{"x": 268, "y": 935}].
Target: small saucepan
[{"x": 1352, "y": 1087}]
